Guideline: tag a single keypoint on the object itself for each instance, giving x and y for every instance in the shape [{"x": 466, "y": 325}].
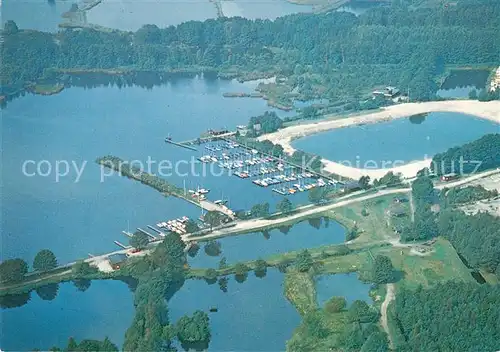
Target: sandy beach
[{"x": 486, "y": 110}]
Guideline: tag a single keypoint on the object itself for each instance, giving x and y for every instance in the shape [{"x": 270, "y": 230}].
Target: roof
[
  {"x": 352, "y": 185},
  {"x": 117, "y": 258}
]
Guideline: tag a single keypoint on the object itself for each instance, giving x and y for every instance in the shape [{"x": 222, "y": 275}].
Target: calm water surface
[
  {"x": 252, "y": 316},
  {"x": 76, "y": 217},
  {"x": 306, "y": 234},
  {"x": 342, "y": 285},
  {"x": 461, "y": 82},
  {"x": 104, "y": 309},
  {"x": 402, "y": 140}
]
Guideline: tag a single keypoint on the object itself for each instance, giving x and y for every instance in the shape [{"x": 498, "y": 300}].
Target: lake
[
  {"x": 131, "y": 15},
  {"x": 461, "y": 82},
  {"x": 402, "y": 140},
  {"x": 252, "y": 316},
  {"x": 104, "y": 309},
  {"x": 306, "y": 234},
  {"x": 342, "y": 285},
  {"x": 78, "y": 125}
]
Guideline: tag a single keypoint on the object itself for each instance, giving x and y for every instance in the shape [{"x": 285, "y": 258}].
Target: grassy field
[
  {"x": 442, "y": 264},
  {"x": 376, "y": 225},
  {"x": 300, "y": 290}
]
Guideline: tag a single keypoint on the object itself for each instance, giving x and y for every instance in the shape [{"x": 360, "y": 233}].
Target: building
[
  {"x": 449, "y": 177},
  {"x": 116, "y": 260},
  {"x": 388, "y": 92},
  {"x": 495, "y": 81}
]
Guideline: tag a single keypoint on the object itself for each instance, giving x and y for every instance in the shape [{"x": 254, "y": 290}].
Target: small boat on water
[{"x": 213, "y": 309}]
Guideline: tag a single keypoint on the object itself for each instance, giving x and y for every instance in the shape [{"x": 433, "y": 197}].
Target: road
[
  {"x": 257, "y": 224},
  {"x": 389, "y": 297}
]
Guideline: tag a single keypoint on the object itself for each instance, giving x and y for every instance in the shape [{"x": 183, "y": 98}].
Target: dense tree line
[
  {"x": 475, "y": 237},
  {"x": 336, "y": 55},
  {"x": 448, "y": 317},
  {"x": 424, "y": 225},
  {"x": 88, "y": 346},
  {"x": 479, "y": 155},
  {"x": 457, "y": 195}
]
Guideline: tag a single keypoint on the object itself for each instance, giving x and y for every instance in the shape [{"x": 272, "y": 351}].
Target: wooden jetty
[
  {"x": 128, "y": 234},
  {"x": 180, "y": 144},
  {"x": 156, "y": 230},
  {"x": 146, "y": 233},
  {"x": 285, "y": 161},
  {"x": 119, "y": 244}
]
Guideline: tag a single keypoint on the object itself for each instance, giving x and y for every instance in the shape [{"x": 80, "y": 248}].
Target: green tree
[
  {"x": 376, "y": 342},
  {"x": 10, "y": 27},
  {"x": 12, "y": 270},
  {"x": 315, "y": 324},
  {"x": 211, "y": 274},
  {"x": 304, "y": 261},
  {"x": 260, "y": 267},
  {"x": 364, "y": 182},
  {"x": 195, "y": 328},
  {"x": 360, "y": 311},
  {"x": 139, "y": 240},
  {"x": 213, "y": 218},
  {"x": 285, "y": 206},
  {"x": 82, "y": 268},
  {"x": 241, "y": 269},
  {"x": 352, "y": 233},
  {"x": 192, "y": 226},
  {"x": 335, "y": 304},
  {"x": 170, "y": 253},
  {"x": 382, "y": 271},
  {"x": 223, "y": 263},
  {"x": 473, "y": 94},
  {"x": 317, "y": 195},
  {"x": 44, "y": 260}
]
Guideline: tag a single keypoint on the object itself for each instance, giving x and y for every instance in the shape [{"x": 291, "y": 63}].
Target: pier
[
  {"x": 156, "y": 230},
  {"x": 180, "y": 144},
  {"x": 128, "y": 234},
  {"x": 146, "y": 233},
  {"x": 119, "y": 244},
  {"x": 284, "y": 161},
  {"x": 209, "y": 138}
]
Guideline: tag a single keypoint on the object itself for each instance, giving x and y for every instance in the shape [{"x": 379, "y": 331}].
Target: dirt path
[
  {"x": 30, "y": 282},
  {"x": 389, "y": 297}
]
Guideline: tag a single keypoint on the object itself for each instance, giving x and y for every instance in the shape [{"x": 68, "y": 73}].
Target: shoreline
[{"x": 485, "y": 110}]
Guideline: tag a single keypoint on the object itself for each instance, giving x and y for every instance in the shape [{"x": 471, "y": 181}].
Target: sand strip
[{"x": 486, "y": 110}]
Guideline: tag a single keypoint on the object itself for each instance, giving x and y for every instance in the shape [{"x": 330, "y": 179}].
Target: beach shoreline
[{"x": 485, "y": 110}]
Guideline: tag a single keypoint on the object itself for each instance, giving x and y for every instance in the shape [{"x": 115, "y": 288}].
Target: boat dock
[
  {"x": 156, "y": 230},
  {"x": 180, "y": 144},
  {"x": 127, "y": 233},
  {"x": 147, "y": 233},
  {"x": 119, "y": 244},
  {"x": 209, "y": 138}
]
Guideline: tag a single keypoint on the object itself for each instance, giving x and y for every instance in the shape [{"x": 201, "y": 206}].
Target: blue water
[
  {"x": 105, "y": 309},
  {"x": 79, "y": 125},
  {"x": 401, "y": 141},
  {"x": 256, "y": 245},
  {"x": 252, "y": 316},
  {"x": 342, "y": 285}
]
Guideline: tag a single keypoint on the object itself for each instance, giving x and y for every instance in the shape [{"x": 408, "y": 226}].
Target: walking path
[{"x": 389, "y": 297}]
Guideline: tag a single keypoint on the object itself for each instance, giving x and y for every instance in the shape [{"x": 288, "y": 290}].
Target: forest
[
  {"x": 333, "y": 55},
  {"x": 479, "y": 155},
  {"x": 475, "y": 237},
  {"x": 448, "y": 317}
]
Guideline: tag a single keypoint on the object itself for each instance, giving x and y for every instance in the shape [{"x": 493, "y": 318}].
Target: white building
[{"x": 495, "y": 81}]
